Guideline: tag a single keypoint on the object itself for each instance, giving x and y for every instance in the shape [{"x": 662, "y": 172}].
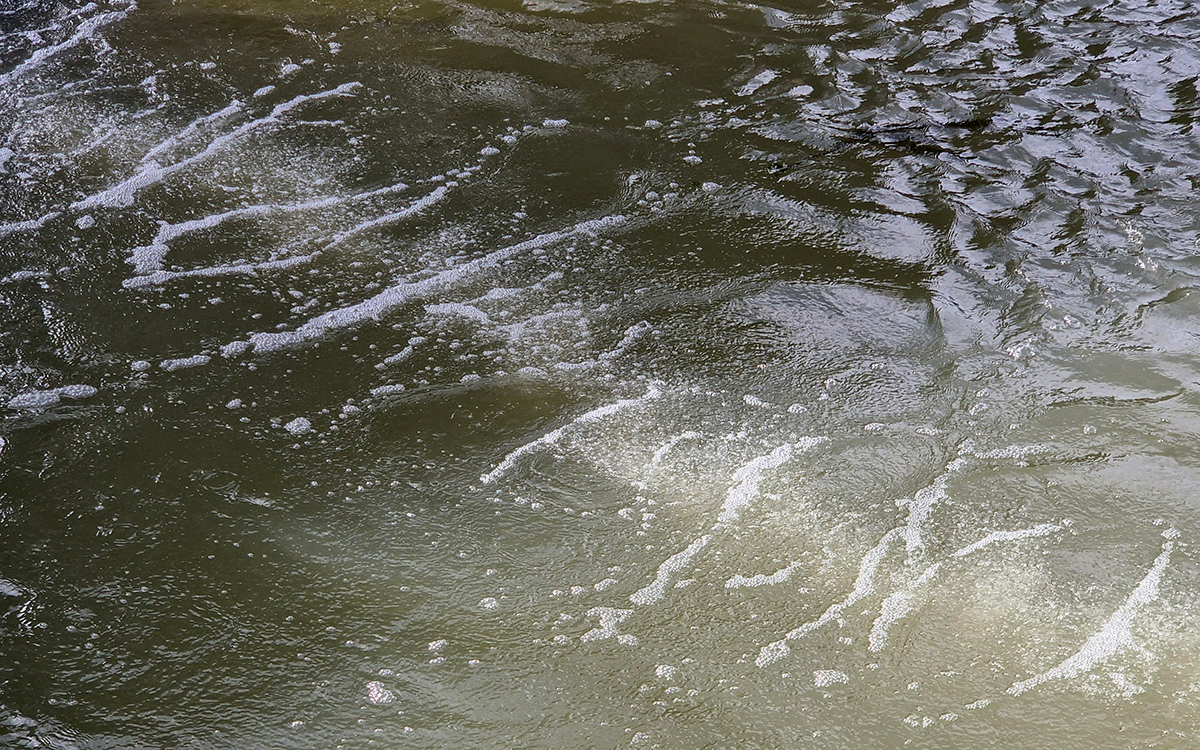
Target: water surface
[{"x": 598, "y": 374}]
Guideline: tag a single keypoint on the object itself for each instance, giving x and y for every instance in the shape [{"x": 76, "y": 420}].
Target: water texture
[{"x": 599, "y": 374}]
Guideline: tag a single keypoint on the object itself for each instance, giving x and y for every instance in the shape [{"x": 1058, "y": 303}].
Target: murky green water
[{"x": 581, "y": 374}]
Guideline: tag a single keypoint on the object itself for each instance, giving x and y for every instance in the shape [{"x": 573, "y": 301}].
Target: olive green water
[{"x": 592, "y": 375}]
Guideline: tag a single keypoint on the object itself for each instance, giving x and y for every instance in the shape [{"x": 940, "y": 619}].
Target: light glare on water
[{"x": 590, "y": 374}]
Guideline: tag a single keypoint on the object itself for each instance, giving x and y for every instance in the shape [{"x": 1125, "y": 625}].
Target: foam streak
[
  {"x": 122, "y": 194},
  {"x": 552, "y": 437},
  {"x": 1114, "y": 636},
  {"x": 404, "y": 293}
]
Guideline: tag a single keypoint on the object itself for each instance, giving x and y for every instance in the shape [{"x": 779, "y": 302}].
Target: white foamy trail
[
  {"x": 900, "y": 603},
  {"x": 84, "y": 32},
  {"x": 895, "y": 608},
  {"x": 412, "y": 209},
  {"x": 921, "y": 505},
  {"x": 748, "y": 478},
  {"x": 552, "y": 437},
  {"x": 1115, "y": 635},
  {"x": 404, "y": 293},
  {"x": 149, "y": 258},
  {"x": 27, "y": 226},
  {"x": 669, "y": 446},
  {"x": 864, "y": 585},
  {"x": 44, "y": 399},
  {"x": 745, "y": 490},
  {"x": 235, "y": 269},
  {"x": 762, "y": 579},
  {"x": 632, "y": 334},
  {"x": 997, "y": 537},
  {"x": 122, "y": 194},
  {"x": 657, "y": 589},
  {"x": 176, "y": 139},
  {"x": 610, "y": 618}
]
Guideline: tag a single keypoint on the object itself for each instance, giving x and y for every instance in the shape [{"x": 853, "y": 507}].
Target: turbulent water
[{"x": 599, "y": 374}]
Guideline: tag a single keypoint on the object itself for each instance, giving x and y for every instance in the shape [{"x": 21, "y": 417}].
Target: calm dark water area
[{"x": 579, "y": 374}]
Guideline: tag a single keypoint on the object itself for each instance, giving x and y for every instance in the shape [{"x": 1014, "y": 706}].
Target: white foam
[
  {"x": 47, "y": 398},
  {"x": 996, "y": 537},
  {"x": 28, "y": 226},
  {"x": 921, "y": 505},
  {"x": 1114, "y": 636},
  {"x": 149, "y": 258},
  {"x": 632, "y": 334},
  {"x": 406, "y": 292},
  {"x": 657, "y": 588},
  {"x": 827, "y": 677},
  {"x": 387, "y": 390},
  {"x": 762, "y": 579},
  {"x": 122, "y": 194},
  {"x": 458, "y": 310},
  {"x": 412, "y": 209},
  {"x": 158, "y": 278},
  {"x": 84, "y": 32},
  {"x": 750, "y": 476},
  {"x": 668, "y": 446},
  {"x": 298, "y": 426},
  {"x": 898, "y": 604},
  {"x": 864, "y": 584},
  {"x": 554, "y": 436},
  {"x": 399, "y": 356},
  {"x": 170, "y": 365},
  {"x": 745, "y": 489},
  {"x": 378, "y": 694},
  {"x": 895, "y": 608},
  {"x": 233, "y": 108},
  {"x": 610, "y": 618}
]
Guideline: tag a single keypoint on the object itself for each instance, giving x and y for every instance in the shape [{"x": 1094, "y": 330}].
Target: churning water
[{"x": 573, "y": 374}]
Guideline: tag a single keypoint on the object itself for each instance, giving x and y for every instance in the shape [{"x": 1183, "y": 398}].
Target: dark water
[{"x": 581, "y": 374}]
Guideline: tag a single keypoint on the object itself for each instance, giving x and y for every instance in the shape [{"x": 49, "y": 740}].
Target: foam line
[
  {"x": 864, "y": 584},
  {"x": 669, "y": 446},
  {"x": 762, "y": 579},
  {"x": 28, "y": 226},
  {"x": 414, "y": 208},
  {"x": 247, "y": 269},
  {"x": 1112, "y": 637},
  {"x": 921, "y": 505},
  {"x": 404, "y": 293},
  {"x": 231, "y": 109},
  {"x": 657, "y": 589},
  {"x": 895, "y": 608},
  {"x": 552, "y": 437},
  {"x": 149, "y": 258},
  {"x": 122, "y": 194},
  {"x": 745, "y": 489},
  {"x": 899, "y": 604},
  {"x": 610, "y": 618},
  {"x": 85, "y": 31},
  {"x": 748, "y": 478},
  {"x": 996, "y": 537},
  {"x": 632, "y": 334}
]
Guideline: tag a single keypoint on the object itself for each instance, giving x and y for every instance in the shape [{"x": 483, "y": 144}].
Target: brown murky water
[{"x": 582, "y": 374}]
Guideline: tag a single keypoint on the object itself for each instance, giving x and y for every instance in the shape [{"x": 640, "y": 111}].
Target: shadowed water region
[{"x": 579, "y": 374}]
